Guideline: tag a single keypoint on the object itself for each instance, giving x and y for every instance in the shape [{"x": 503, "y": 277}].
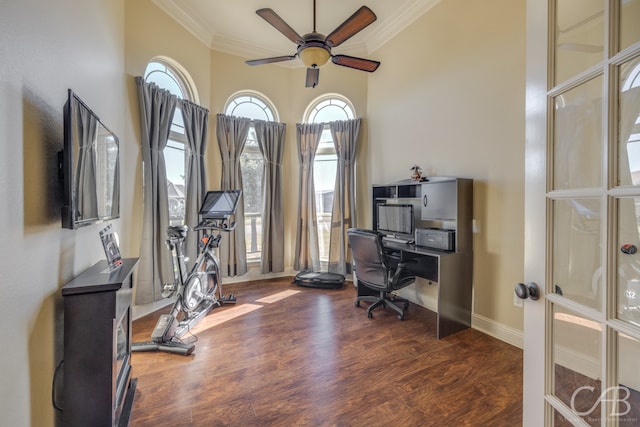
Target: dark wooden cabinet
[
  {"x": 98, "y": 387},
  {"x": 439, "y": 204}
]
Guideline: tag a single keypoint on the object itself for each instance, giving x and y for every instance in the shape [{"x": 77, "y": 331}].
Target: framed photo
[{"x": 111, "y": 249}]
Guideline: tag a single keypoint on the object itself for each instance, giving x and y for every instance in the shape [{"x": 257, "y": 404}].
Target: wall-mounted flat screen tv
[{"x": 89, "y": 167}]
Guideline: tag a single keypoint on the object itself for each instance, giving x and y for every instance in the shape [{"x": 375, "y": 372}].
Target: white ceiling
[{"x": 232, "y": 26}]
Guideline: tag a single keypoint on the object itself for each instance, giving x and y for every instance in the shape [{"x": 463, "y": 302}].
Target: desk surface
[{"x": 413, "y": 248}]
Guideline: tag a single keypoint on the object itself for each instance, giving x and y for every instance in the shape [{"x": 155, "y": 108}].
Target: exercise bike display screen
[{"x": 220, "y": 204}]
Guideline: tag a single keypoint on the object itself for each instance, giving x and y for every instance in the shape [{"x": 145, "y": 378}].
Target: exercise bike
[{"x": 199, "y": 290}]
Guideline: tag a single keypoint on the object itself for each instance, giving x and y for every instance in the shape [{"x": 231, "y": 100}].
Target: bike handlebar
[{"x": 214, "y": 224}]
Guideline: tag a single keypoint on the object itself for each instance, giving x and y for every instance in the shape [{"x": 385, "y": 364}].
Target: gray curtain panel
[
  {"x": 85, "y": 134},
  {"x": 307, "y": 253},
  {"x": 196, "y": 123},
  {"x": 270, "y": 136},
  {"x": 156, "y": 114},
  {"x": 343, "y": 216},
  {"x": 232, "y": 134}
]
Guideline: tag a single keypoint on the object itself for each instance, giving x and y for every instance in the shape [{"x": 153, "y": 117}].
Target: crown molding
[
  {"x": 248, "y": 50},
  {"x": 195, "y": 27},
  {"x": 393, "y": 25},
  {"x": 384, "y": 32}
]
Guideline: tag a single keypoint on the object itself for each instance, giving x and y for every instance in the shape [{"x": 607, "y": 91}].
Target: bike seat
[{"x": 177, "y": 231}]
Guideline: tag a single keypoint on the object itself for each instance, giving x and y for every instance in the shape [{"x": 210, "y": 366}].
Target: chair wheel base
[{"x": 399, "y": 305}]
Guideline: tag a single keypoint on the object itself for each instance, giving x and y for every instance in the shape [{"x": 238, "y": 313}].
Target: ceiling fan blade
[
  {"x": 313, "y": 74},
  {"x": 356, "y": 63},
  {"x": 278, "y": 23},
  {"x": 270, "y": 60},
  {"x": 355, "y": 23}
]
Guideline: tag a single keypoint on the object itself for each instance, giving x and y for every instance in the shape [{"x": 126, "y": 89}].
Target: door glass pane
[
  {"x": 579, "y": 36},
  {"x": 629, "y": 18},
  {"x": 629, "y": 123},
  {"x": 627, "y": 396},
  {"x": 577, "y": 272},
  {"x": 628, "y": 256},
  {"x": 577, "y": 151},
  {"x": 577, "y": 363}
]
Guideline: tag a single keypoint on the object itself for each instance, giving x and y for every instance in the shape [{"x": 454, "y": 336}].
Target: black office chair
[{"x": 378, "y": 271}]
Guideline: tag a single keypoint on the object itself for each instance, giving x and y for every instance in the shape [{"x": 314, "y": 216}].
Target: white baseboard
[
  {"x": 427, "y": 297},
  {"x": 253, "y": 274},
  {"x": 138, "y": 311},
  {"x": 497, "y": 330}
]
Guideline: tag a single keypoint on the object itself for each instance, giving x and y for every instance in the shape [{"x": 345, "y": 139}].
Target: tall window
[
  {"x": 171, "y": 77},
  {"x": 254, "y": 106},
  {"x": 325, "y": 109}
]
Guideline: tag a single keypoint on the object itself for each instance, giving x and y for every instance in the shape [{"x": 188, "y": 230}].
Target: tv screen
[
  {"x": 89, "y": 167},
  {"x": 395, "y": 218},
  {"x": 220, "y": 204}
]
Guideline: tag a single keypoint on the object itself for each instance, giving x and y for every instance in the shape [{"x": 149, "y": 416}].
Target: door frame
[{"x": 535, "y": 253}]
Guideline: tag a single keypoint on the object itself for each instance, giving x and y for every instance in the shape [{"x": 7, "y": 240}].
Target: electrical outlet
[{"x": 517, "y": 301}]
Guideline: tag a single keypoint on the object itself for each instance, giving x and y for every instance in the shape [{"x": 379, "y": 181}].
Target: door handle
[
  {"x": 628, "y": 249},
  {"x": 530, "y": 290}
]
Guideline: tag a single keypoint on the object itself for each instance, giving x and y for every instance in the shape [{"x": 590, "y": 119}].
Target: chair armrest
[{"x": 400, "y": 267}]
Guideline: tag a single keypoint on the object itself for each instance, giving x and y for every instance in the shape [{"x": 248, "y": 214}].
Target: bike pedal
[{"x": 168, "y": 289}]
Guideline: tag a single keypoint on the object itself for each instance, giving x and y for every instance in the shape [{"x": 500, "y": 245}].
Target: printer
[{"x": 436, "y": 238}]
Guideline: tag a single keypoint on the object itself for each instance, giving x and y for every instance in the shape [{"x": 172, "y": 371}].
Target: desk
[{"x": 452, "y": 271}]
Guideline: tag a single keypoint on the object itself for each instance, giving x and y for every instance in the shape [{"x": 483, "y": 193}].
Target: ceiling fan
[{"x": 314, "y": 49}]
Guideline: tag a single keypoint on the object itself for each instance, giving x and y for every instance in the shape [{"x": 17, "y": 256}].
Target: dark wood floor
[{"x": 312, "y": 358}]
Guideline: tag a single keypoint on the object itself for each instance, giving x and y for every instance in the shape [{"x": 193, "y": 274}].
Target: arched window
[
  {"x": 325, "y": 109},
  {"x": 169, "y": 75},
  {"x": 255, "y": 106}
]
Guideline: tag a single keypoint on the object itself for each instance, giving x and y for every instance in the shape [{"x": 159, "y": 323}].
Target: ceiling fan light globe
[{"x": 314, "y": 56}]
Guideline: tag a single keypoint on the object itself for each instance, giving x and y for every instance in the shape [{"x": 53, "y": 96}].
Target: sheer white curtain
[
  {"x": 307, "y": 252},
  {"x": 270, "y": 136},
  {"x": 343, "y": 215},
  {"x": 156, "y": 114},
  {"x": 232, "y": 134},
  {"x": 196, "y": 123}
]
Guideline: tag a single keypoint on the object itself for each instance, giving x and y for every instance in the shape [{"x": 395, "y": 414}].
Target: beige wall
[
  {"x": 46, "y": 48},
  {"x": 285, "y": 88},
  {"x": 150, "y": 33},
  {"x": 450, "y": 96},
  {"x": 449, "y": 93},
  {"x": 217, "y": 76}
]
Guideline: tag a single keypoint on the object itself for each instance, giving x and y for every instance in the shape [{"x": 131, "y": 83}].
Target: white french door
[{"x": 582, "y": 213}]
